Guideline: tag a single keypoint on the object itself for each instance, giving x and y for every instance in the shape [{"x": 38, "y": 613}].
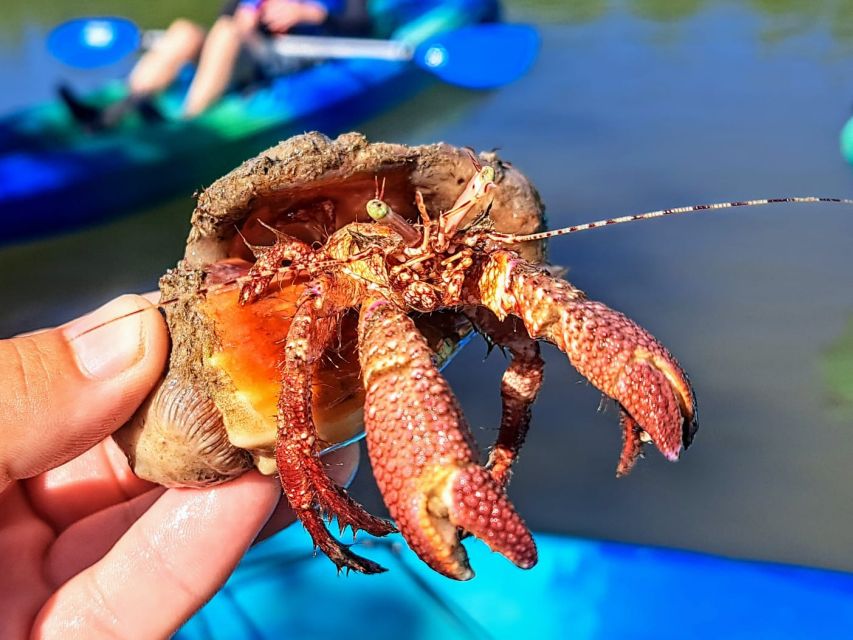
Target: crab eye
[
  {"x": 487, "y": 174},
  {"x": 378, "y": 210},
  {"x": 384, "y": 214}
]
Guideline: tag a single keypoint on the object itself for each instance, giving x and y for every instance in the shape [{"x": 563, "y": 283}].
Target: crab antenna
[
  {"x": 214, "y": 288},
  {"x": 513, "y": 239},
  {"x": 378, "y": 193}
]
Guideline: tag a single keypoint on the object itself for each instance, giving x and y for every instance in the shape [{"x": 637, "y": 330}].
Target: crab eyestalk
[
  {"x": 615, "y": 354},
  {"x": 382, "y": 213},
  {"x": 475, "y": 198}
]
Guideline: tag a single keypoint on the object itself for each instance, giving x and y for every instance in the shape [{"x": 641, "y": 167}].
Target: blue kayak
[
  {"x": 581, "y": 589},
  {"x": 55, "y": 176}
]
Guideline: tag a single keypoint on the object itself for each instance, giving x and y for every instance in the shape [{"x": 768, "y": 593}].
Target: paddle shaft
[
  {"x": 318, "y": 47},
  {"x": 457, "y": 56},
  {"x": 324, "y": 47}
]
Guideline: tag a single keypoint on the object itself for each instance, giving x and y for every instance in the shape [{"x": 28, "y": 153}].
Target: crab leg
[
  {"x": 614, "y": 353},
  {"x": 519, "y": 386},
  {"x": 268, "y": 259},
  {"x": 422, "y": 452},
  {"x": 303, "y": 478}
]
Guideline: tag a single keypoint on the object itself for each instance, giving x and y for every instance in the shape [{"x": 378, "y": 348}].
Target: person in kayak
[{"x": 241, "y": 24}]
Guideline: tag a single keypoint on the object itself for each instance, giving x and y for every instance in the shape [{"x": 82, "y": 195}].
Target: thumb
[{"x": 68, "y": 388}]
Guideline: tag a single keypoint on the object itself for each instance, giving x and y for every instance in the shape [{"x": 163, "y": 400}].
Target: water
[{"x": 633, "y": 106}]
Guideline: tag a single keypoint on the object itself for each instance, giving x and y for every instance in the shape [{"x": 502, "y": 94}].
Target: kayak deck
[{"x": 580, "y": 589}]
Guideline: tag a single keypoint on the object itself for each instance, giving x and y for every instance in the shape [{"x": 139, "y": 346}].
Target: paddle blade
[
  {"x": 482, "y": 56},
  {"x": 87, "y": 43}
]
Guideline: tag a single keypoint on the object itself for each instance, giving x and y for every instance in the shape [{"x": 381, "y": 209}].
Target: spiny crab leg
[
  {"x": 422, "y": 452},
  {"x": 268, "y": 259},
  {"x": 614, "y": 353},
  {"x": 520, "y": 385},
  {"x": 303, "y": 478}
]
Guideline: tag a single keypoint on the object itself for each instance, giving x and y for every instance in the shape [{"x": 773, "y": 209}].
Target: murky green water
[{"x": 634, "y": 105}]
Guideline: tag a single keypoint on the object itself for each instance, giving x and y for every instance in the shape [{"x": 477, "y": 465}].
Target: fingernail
[{"x": 107, "y": 341}]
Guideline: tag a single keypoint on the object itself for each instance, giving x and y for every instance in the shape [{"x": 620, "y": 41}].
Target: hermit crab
[{"x": 326, "y": 276}]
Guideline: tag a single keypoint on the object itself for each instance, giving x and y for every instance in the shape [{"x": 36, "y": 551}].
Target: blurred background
[{"x": 632, "y": 105}]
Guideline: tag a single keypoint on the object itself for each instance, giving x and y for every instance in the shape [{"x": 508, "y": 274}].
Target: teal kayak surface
[
  {"x": 580, "y": 589},
  {"x": 847, "y": 141},
  {"x": 56, "y": 176}
]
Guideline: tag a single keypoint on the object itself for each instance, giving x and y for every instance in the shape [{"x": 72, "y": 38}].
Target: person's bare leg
[
  {"x": 159, "y": 67},
  {"x": 215, "y": 66}
]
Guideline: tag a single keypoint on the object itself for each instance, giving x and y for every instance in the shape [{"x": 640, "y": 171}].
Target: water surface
[{"x": 633, "y": 106}]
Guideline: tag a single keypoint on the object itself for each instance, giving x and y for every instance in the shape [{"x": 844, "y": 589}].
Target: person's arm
[
  {"x": 247, "y": 17},
  {"x": 280, "y": 16}
]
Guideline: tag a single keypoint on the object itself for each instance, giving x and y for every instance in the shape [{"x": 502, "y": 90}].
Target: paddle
[{"x": 480, "y": 56}]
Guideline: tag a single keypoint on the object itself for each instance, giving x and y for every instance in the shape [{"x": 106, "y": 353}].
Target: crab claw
[
  {"x": 422, "y": 453},
  {"x": 441, "y": 502},
  {"x": 612, "y": 351},
  {"x": 657, "y": 397}
]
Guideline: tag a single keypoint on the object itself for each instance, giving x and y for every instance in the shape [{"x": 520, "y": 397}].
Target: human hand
[
  {"x": 280, "y": 16},
  {"x": 90, "y": 550}
]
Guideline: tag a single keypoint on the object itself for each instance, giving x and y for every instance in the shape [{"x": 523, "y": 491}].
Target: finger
[
  {"x": 87, "y": 541},
  {"x": 152, "y": 296},
  {"x": 24, "y": 540},
  {"x": 168, "y": 564},
  {"x": 101, "y": 477},
  {"x": 66, "y": 389},
  {"x": 91, "y": 482}
]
